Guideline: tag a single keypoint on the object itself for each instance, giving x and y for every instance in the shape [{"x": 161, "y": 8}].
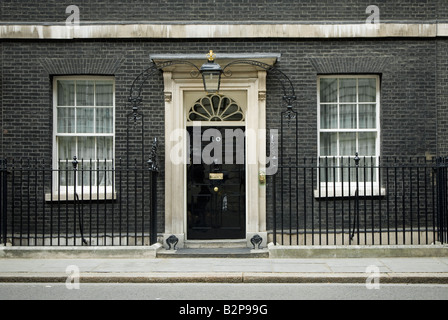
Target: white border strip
[{"x": 200, "y": 31}]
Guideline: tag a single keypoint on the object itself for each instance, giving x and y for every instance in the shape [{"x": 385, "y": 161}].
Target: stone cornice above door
[{"x": 186, "y": 71}]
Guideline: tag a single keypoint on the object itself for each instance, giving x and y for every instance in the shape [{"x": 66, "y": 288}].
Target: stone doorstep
[{"x": 213, "y": 253}]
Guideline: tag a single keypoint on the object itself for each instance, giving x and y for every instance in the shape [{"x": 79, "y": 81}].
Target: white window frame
[
  {"x": 67, "y": 193},
  {"x": 344, "y": 189}
]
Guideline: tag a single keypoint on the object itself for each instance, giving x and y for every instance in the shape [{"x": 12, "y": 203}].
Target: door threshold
[
  {"x": 229, "y": 253},
  {"x": 215, "y": 244}
]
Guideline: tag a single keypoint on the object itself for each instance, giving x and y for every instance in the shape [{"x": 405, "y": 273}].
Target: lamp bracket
[{"x": 135, "y": 94}]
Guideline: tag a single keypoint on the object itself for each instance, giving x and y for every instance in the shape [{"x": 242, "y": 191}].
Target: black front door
[{"x": 216, "y": 195}]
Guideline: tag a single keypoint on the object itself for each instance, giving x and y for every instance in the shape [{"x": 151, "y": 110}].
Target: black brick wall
[
  {"x": 222, "y": 11},
  {"x": 1, "y": 96},
  {"x": 442, "y": 96},
  {"x": 408, "y": 70},
  {"x": 414, "y": 72}
]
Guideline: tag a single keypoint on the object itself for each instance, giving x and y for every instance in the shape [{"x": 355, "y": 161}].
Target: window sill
[
  {"x": 346, "y": 192},
  {"x": 56, "y": 197}
]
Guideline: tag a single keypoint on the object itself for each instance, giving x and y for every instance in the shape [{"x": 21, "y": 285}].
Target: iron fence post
[
  {"x": 274, "y": 204},
  {"x": 356, "y": 213},
  {"x": 438, "y": 202},
  {"x": 75, "y": 195},
  {"x": 154, "y": 169},
  {"x": 3, "y": 200},
  {"x": 441, "y": 177},
  {"x": 445, "y": 200}
]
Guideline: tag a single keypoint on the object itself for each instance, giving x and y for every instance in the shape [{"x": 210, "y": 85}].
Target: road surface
[{"x": 221, "y": 292}]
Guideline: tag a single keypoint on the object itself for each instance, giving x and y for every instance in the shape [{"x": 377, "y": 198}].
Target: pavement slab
[{"x": 219, "y": 270}]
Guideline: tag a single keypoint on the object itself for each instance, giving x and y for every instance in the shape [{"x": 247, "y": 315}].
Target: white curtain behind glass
[
  {"x": 348, "y": 124},
  {"x": 85, "y": 107},
  {"x": 344, "y": 106}
]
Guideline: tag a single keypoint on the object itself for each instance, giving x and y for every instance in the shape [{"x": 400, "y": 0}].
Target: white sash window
[
  {"x": 84, "y": 126},
  {"x": 348, "y": 123}
]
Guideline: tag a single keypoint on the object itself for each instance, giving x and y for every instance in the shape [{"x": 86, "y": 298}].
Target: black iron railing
[
  {"x": 362, "y": 201},
  {"x": 82, "y": 202}
]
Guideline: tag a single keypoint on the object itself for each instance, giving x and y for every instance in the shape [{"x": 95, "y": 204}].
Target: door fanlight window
[{"x": 215, "y": 107}]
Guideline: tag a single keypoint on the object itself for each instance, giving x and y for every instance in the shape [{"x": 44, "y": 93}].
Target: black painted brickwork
[
  {"x": 442, "y": 96},
  {"x": 413, "y": 118},
  {"x": 51, "y": 11},
  {"x": 408, "y": 74}
]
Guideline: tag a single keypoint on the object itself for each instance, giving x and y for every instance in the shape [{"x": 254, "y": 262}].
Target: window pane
[
  {"x": 348, "y": 168},
  {"x": 367, "y": 90},
  {"x": 66, "y": 93},
  {"x": 104, "y": 173},
  {"x": 367, "y": 171},
  {"x": 77, "y": 113},
  {"x": 327, "y": 170},
  {"x": 104, "y": 120},
  {"x": 86, "y": 174},
  {"x": 84, "y": 120},
  {"x": 66, "y": 120},
  {"x": 367, "y": 144},
  {"x": 328, "y": 144},
  {"x": 66, "y": 148},
  {"x": 367, "y": 116},
  {"x": 328, "y": 116},
  {"x": 348, "y": 116},
  {"x": 66, "y": 152},
  {"x": 328, "y": 90},
  {"x": 356, "y": 113},
  {"x": 84, "y": 93},
  {"x": 86, "y": 148},
  {"x": 104, "y": 148},
  {"x": 347, "y": 90},
  {"x": 104, "y": 91},
  {"x": 347, "y": 144},
  {"x": 66, "y": 174}
]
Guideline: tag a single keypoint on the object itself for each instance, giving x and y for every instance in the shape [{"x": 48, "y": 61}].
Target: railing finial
[
  {"x": 75, "y": 163},
  {"x": 357, "y": 159}
]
